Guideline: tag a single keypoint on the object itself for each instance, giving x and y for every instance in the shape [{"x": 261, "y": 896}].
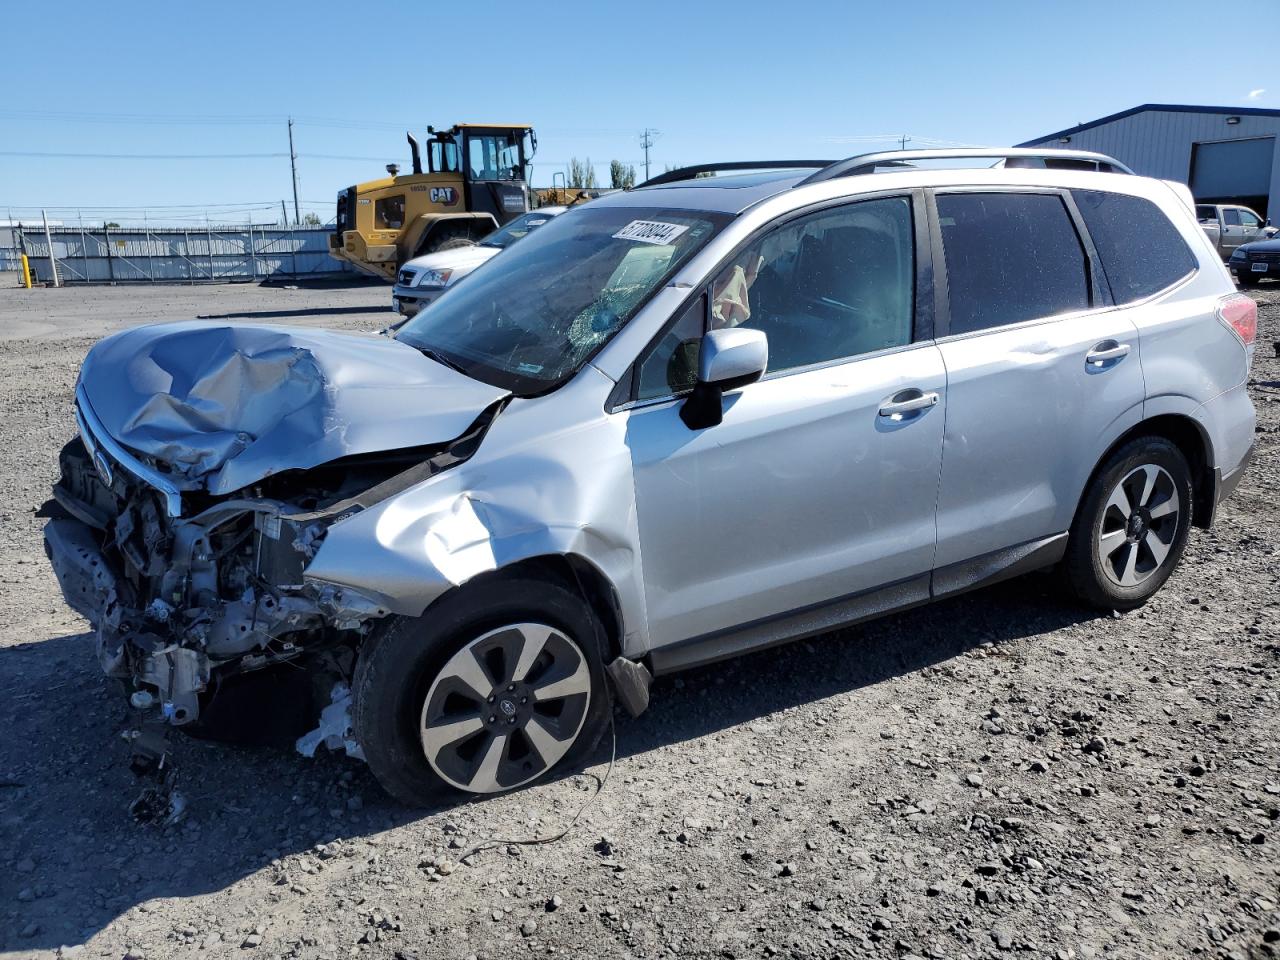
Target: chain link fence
[{"x": 197, "y": 254}]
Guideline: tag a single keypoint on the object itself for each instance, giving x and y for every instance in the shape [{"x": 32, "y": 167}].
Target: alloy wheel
[
  {"x": 506, "y": 708},
  {"x": 1139, "y": 525}
]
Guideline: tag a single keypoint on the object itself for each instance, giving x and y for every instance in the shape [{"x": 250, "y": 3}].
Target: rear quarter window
[{"x": 1142, "y": 253}]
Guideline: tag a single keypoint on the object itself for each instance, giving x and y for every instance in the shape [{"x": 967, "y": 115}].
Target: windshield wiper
[{"x": 441, "y": 359}]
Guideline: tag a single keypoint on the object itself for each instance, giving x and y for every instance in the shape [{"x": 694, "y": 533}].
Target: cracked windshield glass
[{"x": 529, "y": 319}]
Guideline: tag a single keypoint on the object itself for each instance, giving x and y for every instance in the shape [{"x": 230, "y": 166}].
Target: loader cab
[{"x": 493, "y": 162}]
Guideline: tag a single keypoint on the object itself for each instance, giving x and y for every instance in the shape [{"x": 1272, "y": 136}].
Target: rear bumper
[
  {"x": 1227, "y": 482},
  {"x": 1229, "y": 420}
]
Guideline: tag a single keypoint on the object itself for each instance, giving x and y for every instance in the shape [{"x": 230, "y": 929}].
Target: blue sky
[{"x": 720, "y": 81}]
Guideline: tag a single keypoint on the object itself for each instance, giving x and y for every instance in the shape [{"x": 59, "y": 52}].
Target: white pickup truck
[{"x": 1228, "y": 226}]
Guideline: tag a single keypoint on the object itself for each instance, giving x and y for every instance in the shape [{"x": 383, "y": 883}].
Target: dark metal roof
[
  {"x": 1154, "y": 108},
  {"x": 731, "y": 194},
  {"x": 689, "y": 173}
]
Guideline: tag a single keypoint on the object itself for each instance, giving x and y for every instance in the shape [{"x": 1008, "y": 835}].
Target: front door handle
[
  {"x": 906, "y": 402},
  {"x": 1108, "y": 351}
]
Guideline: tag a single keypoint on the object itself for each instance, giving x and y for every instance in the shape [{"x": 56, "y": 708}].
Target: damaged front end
[{"x": 188, "y": 589}]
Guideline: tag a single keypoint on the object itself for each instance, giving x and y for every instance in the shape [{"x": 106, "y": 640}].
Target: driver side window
[{"x": 828, "y": 286}]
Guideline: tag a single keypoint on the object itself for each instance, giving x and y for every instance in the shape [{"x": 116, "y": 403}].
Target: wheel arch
[
  {"x": 428, "y": 225},
  {"x": 571, "y": 571},
  {"x": 1192, "y": 440}
]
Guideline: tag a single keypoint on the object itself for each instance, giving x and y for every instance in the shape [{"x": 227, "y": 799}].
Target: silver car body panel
[
  {"x": 840, "y": 499},
  {"x": 552, "y": 477},
  {"x": 225, "y": 406},
  {"x": 1023, "y": 406}
]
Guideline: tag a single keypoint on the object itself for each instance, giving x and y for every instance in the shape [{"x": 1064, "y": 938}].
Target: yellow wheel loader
[{"x": 476, "y": 179}]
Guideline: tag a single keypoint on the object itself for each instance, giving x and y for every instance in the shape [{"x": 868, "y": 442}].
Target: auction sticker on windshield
[{"x": 650, "y": 231}]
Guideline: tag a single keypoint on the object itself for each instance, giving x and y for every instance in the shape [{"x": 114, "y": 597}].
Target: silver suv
[{"x": 682, "y": 422}]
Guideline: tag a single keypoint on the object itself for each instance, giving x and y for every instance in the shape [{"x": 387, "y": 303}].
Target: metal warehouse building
[{"x": 1225, "y": 154}]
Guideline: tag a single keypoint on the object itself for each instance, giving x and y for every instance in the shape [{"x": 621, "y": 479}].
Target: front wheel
[
  {"x": 491, "y": 689},
  {"x": 1132, "y": 526}
]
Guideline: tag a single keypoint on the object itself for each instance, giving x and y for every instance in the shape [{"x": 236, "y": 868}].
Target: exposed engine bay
[
  {"x": 190, "y": 584},
  {"x": 181, "y": 603}
]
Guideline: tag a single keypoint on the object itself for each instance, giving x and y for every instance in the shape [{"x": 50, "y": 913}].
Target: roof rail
[
  {"x": 689, "y": 173},
  {"x": 868, "y": 162}
]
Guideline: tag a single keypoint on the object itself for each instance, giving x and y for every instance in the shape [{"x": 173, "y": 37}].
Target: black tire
[
  {"x": 1246, "y": 280},
  {"x": 399, "y": 664},
  {"x": 454, "y": 244},
  {"x": 1097, "y": 577},
  {"x": 446, "y": 238}
]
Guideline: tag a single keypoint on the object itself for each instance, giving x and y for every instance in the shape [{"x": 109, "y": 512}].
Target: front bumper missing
[{"x": 167, "y": 654}]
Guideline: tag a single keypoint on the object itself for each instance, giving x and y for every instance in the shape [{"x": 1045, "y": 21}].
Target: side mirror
[{"x": 727, "y": 359}]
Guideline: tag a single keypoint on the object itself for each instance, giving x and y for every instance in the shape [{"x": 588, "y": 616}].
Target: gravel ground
[{"x": 1000, "y": 774}]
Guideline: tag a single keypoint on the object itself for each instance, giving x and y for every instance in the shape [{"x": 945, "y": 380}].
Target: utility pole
[
  {"x": 647, "y": 137},
  {"x": 904, "y": 139},
  {"x": 53, "y": 263},
  {"x": 293, "y": 166}
]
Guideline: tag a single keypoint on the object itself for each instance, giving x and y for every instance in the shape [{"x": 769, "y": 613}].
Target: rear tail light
[{"x": 1240, "y": 313}]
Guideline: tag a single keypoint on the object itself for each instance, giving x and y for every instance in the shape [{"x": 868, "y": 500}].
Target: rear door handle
[
  {"x": 1106, "y": 352},
  {"x": 906, "y": 402}
]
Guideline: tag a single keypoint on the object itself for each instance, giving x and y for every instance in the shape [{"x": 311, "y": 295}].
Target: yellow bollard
[{"x": 26, "y": 272}]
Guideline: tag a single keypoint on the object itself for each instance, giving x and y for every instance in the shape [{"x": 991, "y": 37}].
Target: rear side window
[
  {"x": 1142, "y": 253},
  {"x": 1010, "y": 257}
]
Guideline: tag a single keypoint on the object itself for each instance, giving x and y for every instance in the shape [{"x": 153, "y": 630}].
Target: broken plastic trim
[
  {"x": 335, "y": 730},
  {"x": 96, "y": 439}
]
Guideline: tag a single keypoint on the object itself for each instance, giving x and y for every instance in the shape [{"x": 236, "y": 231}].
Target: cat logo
[{"x": 444, "y": 195}]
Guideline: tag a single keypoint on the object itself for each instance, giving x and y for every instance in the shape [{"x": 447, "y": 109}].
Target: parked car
[
  {"x": 422, "y": 280},
  {"x": 683, "y": 422},
  {"x": 1256, "y": 261},
  {"x": 1229, "y": 226}
]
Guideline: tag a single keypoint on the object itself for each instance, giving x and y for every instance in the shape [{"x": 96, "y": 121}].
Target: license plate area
[{"x": 1258, "y": 267}]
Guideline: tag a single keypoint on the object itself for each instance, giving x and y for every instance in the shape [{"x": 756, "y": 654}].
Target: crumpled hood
[{"x": 226, "y": 404}]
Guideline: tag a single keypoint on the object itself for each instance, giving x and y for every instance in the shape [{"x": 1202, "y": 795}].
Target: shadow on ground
[{"x": 76, "y": 861}]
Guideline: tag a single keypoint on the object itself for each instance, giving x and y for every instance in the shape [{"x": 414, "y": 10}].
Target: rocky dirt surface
[{"x": 1000, "y": 775}]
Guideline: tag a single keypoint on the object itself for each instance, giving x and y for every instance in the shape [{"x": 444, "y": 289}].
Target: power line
[
  {"x": 183, "y": 156},
  {"x": 140, "y": 156},
  {"x": 139, "y": 118},
  {"x": 242, "y": 204}
]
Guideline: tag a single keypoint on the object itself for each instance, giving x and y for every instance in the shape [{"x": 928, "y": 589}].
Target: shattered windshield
[{"x": 529, "y": 319}]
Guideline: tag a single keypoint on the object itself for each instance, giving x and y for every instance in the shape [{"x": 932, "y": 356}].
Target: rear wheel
[
  {"x": 1132, "y": 527},
  {"x": 493, "y": 688}
]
